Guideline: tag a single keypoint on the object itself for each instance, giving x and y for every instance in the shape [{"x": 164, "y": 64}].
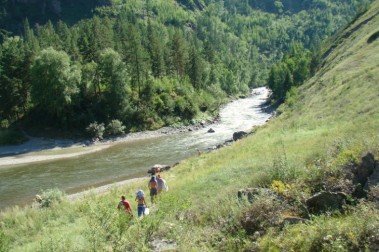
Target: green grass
[{"x": 335, "y": 121}]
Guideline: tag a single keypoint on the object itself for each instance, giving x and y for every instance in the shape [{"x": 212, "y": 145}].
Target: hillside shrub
[
  {"x": 357, "y": 231},
  {"x": 263, "y": 214},
  {"x": 50, "y": 196},
  {"x": 282, "y": 170},
  {"x": 292, "y": 96}
]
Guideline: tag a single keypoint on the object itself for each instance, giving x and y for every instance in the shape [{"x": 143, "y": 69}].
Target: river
[{"x": 125, "y": 160}]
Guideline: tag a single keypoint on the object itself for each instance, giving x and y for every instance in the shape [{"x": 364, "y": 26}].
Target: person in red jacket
[{"x": 125, "y": 205}]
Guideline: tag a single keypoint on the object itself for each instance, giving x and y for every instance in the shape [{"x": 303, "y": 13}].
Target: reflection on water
[{"x": 19, "y": 184}]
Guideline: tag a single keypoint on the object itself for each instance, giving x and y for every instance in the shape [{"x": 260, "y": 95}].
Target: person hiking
[
  {"x": 153, "y": 187},
  {"x": 162, "y": 184},
  {"x": 125, "y": 205},
  {"x": 140, "y": 198}
]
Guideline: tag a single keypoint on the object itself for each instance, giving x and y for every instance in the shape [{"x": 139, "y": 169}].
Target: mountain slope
[{"x": 318, "y": 145}]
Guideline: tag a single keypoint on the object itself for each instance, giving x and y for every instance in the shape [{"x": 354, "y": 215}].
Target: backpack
[{"x": 140, "y": 194}]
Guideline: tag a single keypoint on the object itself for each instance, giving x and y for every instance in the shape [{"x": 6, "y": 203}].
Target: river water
[{"x": 20, "y": 183}]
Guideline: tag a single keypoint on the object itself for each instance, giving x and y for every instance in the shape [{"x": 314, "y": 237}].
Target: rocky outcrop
[
  {"x": 363, "y": 176},
  {"x": 365, "y": 169},
  {"x": 326, "y": 201},
  {"x": 267, "y": 209},
  {"x": 163, "y": 245}
]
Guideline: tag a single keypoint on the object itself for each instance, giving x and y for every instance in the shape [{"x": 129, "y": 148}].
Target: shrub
[
  {"x": 292, "y": 96},
  {"x": 279, "y": 187},
  {"x": 96, "y": 130},
  {"x": 185, "y": 108},
  {"x": 263, "y": 214},
  {"x": 115, "y": 127},
  {"x": 9, "y": 136},
  {"x": 282, "y": 170},
  {"x": 4, "y": 124},
  {"x": 50, "y": 196}
]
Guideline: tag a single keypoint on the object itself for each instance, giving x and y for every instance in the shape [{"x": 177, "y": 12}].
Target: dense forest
[{"x": 106, "y": 67}]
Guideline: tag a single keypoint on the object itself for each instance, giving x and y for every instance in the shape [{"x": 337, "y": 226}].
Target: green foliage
[
  {"x": 96, "y": 130},
  {"x": 4, "y": 242},
  {"x": 291, "y": 72},
  {"x": 114, "y": 83},
  {"x": 50, "y": 197},
  {"x": 14, "y": 88},
  {"x": 292, "y": 96},
  {"x": 358, "y": 231},
  {"x": 282, "y": 169},
  {"x": 262, "y": 214},
  {"x": 279, "y": 187},
  {"x": 123, "y": 47},
  {"x": 11, "y": 136},
  {"x": 333, "y": 125},
  {"x": 115, "y": 127},
  {"x": 54, "y": 83}
]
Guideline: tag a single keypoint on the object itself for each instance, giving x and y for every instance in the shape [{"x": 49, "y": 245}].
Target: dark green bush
[
  {"x": 115, "y": 127},
  {"x": 9, "y": 136}
]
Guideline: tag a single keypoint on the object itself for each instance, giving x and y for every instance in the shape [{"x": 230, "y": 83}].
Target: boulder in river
[{"x": 211, "y": 130}]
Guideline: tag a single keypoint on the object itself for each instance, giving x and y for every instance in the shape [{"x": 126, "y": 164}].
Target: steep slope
[{"x": 312, "y": 147}]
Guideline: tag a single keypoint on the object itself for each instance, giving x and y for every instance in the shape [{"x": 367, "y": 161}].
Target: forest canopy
[{"x": 149, "y": 63}]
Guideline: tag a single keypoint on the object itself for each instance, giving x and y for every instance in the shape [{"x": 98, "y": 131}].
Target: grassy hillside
[{"x": 304, "y": 150}]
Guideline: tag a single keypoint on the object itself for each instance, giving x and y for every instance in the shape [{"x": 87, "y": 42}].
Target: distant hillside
[{"x": 14, "y": 12}]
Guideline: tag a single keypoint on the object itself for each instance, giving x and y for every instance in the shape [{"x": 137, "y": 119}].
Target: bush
[
  {"x": 49, "y": 197},
  {"x": 292, "y": 96},
  {"x": 185, "y": 108},
  {"x": 115, "y": 127},
  {"x": 263, "y": 214},
  {"x": 4, "y": 124},
  {"x": 96, "y": 130},
  {"x": 9, "y": 136}
]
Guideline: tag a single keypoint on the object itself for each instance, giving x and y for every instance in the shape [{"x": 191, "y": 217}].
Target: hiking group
[{"x": 155, "y": 185}]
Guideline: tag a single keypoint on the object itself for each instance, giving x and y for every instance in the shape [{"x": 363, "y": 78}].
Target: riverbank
[
  {"x": 42, "y": 149},
  {"x": 55, "y": 164},
  {"x": 45, "y": 149},
  {"x": 102, "y": 189}
]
